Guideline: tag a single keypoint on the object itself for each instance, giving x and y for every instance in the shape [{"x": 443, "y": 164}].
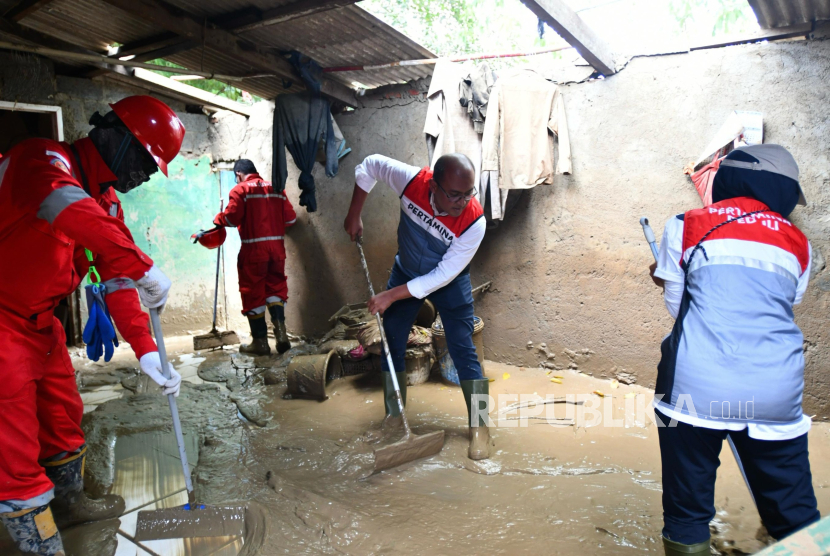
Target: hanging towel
[{"x": 300, "y": 120}]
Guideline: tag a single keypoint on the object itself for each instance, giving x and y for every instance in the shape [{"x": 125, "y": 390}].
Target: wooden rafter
[
  {"x": 300, "y": 8},
  {"x": 172, "y": 19},
  {"x": 576, "y": 32},
  {"x": 24, "y": 8}
]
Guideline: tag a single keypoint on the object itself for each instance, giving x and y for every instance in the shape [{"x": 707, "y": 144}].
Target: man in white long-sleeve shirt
[{"x": 440, "y": 229}]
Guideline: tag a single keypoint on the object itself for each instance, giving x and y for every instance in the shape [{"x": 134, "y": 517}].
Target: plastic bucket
[
  {"x": 307, "y": 375},
  {"x": 448, "y": 371}
]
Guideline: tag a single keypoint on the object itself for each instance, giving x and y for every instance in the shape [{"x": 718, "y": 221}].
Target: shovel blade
[
  {"x": 176, "y": 523},
  {"x": 411, "y": 448},
  {"x": 215, "y": 339}
]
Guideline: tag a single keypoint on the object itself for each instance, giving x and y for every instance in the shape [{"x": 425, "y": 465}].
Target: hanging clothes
[
  {"x": 340, "y": 144},
  {"x": 300, "y": 121},
  {"x": 703, "y": 180},
  {"x": 475, "y": 94},
  {"x": 525, "y": 112},
  {"x": 447, "y": 127}
]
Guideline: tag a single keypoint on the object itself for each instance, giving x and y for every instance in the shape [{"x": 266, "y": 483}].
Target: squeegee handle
[
  {"x": 386, "y": 352},
  {"x": 649, "y": 233},
  {"x": 174, "y": 409}
]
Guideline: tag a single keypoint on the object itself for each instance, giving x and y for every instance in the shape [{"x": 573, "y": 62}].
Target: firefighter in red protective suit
[
  {"x": 57, "y": 199},
  {"x": 261, "y": 215}
]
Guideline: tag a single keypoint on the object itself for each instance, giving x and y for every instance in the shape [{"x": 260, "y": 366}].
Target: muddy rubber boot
[
  {"x": 281, "y": 333},
  {"x": 71, "y": 505},
  {"x": 34, "y": 531},
  {"x": 676, "y": 549},
  {"x": 390, "y": 401},
  {"x": 479, "y": 432},
  {"x": 259, "y": 342},
  {"x": 277, "y": 312}
]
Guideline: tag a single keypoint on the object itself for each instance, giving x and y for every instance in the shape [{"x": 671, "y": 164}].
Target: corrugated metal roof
[
  {"x": 784, "y": 13},
  {"x": 339, "y": 37}
]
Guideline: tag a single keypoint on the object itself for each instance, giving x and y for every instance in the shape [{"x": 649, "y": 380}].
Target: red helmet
[
  {"x": 154, "y": 124},
  {"x": 212, "y": 238}
]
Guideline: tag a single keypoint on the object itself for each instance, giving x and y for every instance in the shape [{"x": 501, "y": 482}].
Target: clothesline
[{"x": 426, "y": 61}]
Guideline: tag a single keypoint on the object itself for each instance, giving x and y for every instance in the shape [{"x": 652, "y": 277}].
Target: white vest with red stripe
[
  {"x": 735, "y": 351},
  {"x": 424, "y": 238}
]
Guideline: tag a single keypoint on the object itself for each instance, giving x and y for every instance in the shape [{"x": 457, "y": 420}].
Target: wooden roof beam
[
  {"x": 576, "y": 32},
  {"x": 300, "y": 8},
  {"x": 25, "y": 8},
  {"x": 172, "y": 19}
]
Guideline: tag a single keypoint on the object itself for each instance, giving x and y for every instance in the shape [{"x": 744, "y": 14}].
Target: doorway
[{"x": 21, "y": 121}]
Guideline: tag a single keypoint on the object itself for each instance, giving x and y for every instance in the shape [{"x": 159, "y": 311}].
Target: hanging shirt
[
  {"x": 301, "y": 121},
  {"x": 433, "y": 247},
  {"x": 735, "y": 351},
  {"x": 448, "y": 129},
  {"x": 524, "y": 113}
]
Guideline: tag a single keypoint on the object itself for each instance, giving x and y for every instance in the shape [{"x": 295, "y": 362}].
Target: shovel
[
  {"x": 190, "y": 520},
  {"x": 411, "y": 446},
  {"x": 652, "y": 241}
]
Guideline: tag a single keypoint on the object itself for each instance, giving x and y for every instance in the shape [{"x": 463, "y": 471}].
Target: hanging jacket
[
  {"x": 300, "y": 121},
  {"x": 475, "y": 93},
  {"x": 46, "y": 215},
  {"x": 524, "y": 113},
  {"x": 261, "y": 215}
]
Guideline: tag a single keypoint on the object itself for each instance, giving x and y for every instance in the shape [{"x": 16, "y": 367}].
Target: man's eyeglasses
[{"x": 454, "y": 197}]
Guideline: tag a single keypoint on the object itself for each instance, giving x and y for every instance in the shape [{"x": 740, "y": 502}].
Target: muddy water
[{"x": 554, "y": 484}]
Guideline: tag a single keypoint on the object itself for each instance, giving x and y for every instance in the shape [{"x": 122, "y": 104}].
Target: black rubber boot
[
  {"x": 71, "y": 505},
  {"x": 277, "y": 311},
  {"x": 259, "y": 332},
  {"x": 281, "y": 333},
  {"x": 676, "y": 549},
  {"x": 390, "y": 400},
  {"x": 34, "y": 531},
  {"x": 479, "y": 432}
]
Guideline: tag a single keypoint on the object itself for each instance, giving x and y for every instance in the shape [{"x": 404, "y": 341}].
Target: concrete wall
[{"x": 569, "y": 265}]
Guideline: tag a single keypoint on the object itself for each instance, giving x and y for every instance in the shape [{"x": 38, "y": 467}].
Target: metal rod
[
  {"x": 216, "y": 286},
  {"x": 174, "y": 410},
  {"x": 100, "y": 58},
  {"x": 428, "y": 61},
  {"x": 389, "y": 362}
]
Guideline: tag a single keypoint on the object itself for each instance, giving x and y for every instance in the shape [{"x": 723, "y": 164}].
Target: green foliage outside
[
  {"x": 210, "y": 85},
  {"x": 450, "y": 28},
  {"x": 723, "y": 17}
]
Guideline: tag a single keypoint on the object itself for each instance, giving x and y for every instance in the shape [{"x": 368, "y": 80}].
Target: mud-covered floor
[{"x": 553, "y": 484}]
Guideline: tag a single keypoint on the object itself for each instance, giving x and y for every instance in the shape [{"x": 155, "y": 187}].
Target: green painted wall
[{"x": 162, "y": 215}]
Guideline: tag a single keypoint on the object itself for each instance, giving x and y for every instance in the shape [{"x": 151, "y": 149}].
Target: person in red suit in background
[{"x": 261, "y": 215}]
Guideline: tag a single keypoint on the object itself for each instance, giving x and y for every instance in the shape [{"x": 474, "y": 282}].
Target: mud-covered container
[
  {"x": 439, "y": 342},
  {"x": 307, "y": 375}
]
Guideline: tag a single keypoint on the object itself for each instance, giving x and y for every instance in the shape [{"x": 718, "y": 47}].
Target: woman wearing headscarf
[{"x": 733, "y": 365}]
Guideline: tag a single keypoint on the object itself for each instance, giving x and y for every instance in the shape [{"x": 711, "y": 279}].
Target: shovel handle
[
  {"x": 174, "y": 409},
  {"x": 386, "y": 352},
  {"x": 649, "y": 233}
]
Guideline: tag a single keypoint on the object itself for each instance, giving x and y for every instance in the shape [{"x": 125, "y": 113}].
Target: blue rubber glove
[{"x": 99, "y": 333}]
